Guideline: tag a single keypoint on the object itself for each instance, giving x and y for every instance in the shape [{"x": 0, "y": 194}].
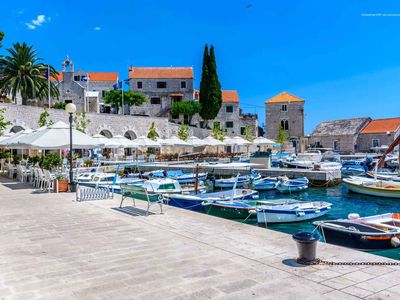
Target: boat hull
[
  {"x": 372, "y": 191},
  {"x": 231, "y": 212},
  {"x": 267, "y": 216}
]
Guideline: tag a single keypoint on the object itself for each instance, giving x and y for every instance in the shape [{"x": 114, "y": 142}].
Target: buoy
[
  {"x": 252, "y": 212},
  {"x": 353, "y": 216},
  {"x": 395, "y": 241}
]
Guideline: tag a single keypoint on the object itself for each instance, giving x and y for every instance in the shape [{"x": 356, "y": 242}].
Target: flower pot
[{"x": 62, "y": 185}]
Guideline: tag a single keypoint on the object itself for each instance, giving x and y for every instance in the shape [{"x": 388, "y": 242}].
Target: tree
[
  {"x": 152, "y": 132},
  {"x": 183, "y": 132},
  {"x": 24, "y": 73},
  {"x": 248, "y": 133},
  {"x": 114, "y": 97},
  {"x": 81, "y": 121},
  {"x": 43, "y": 118},
  {"x": 1, "y": 38},
  {"x": 3, "y": 122},
  {"x": 217, "y": 132},
  {"x": 210, "y": 87},
  {"x": 282, "y": 136},
  {"x": 189, "y": 108}
]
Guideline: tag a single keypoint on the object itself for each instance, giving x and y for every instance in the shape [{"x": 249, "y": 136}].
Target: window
[
  {"x": 376, "y": 143},
  {"x": 229, "y": 124},
  {"x": 161, "y": 84},
  {"x": 242, "y": 130},
  {"x": 336, "y": 145},
  {"x": 284, "y": 107},
  {"x": 229, "y": 109},
  {"x": 139, "y": 84},
  {"x": 155, "y": 100},
  {"x": 183, "y": 84},
  {"x": 285, "y": 124},
  {"x": 77, "y": 78},
  {"x": 103, "y": 93}
]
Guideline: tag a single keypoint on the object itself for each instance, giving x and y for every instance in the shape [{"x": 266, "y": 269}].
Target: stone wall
[
  {"x": 364, "y": 141},
  {"x": 28, "y": 116},
  {"x": 346, "y": 143}
]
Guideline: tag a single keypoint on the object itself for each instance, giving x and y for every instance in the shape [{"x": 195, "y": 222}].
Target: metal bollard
[{"x": 307, "y": 247}]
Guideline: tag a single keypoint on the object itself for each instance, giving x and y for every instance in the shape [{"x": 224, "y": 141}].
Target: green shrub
[{"x": 51, "y": 161}]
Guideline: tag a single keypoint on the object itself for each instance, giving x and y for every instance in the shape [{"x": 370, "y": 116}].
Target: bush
[
  {"x": 51, "y": 161},
  {"x": 189, "y": 108},
  {"x": 59, "y": 105},
  {"x": 34, "y": 160},
  {"x": 5, "y": 154}
]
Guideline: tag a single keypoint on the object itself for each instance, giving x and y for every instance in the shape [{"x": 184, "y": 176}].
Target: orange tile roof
[
  {"x": 284, "y": 97},
  {"x": 382, "y": 126},
  {"x": 94, "y": 76},
  {"x": 160, "y": 72},
  {"x": 228, "y": 96}
]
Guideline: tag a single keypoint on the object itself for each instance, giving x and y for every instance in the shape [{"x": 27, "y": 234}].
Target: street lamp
[{"x": 71, "y": 109}]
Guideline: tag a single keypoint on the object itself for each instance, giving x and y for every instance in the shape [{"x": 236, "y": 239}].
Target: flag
[
  {"x": 117, "y": 85},
  {"x": 85, "y": 77},
  {"x": 48, "y": 73}
]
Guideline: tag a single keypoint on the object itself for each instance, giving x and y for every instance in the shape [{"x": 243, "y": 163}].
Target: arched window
[{"x": 285, "y": 124}]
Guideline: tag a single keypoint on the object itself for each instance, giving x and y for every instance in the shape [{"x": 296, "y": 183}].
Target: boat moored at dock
[
  {"x": 373, "y": 187},
  {"x": 286, "y": 185}
]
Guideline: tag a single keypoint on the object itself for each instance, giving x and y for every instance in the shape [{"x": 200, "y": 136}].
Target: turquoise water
[{"x": 344, "y": 202}]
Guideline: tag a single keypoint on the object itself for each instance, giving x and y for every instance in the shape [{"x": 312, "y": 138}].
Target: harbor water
[{"x": 343, "y": 203}]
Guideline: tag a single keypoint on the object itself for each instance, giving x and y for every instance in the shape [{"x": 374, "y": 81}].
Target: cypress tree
[
  {"x": 215, "y": 94},
  {"x": 204, "y": 84}
]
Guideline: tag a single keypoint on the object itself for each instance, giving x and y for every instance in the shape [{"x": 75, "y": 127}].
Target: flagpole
[
  {"x": 122, "y": 92},
  {"x": 48, "y": 85}
]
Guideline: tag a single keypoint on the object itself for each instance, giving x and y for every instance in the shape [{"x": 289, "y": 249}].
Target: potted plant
[{"x": 62, "y": 183}]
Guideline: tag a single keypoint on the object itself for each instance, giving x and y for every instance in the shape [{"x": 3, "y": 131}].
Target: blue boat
[
  {"x": 194, "y": 202},
  {"x": 241, "y": 181},
  {"x": 286, "y": 185},
  {"x": 265, "y": 184},
  {"x": 353, "y": 170},
  {"x": 185, "y": 178}
]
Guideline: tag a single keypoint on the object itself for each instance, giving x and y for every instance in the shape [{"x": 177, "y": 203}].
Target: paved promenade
[{"x": 54, "y": 248}]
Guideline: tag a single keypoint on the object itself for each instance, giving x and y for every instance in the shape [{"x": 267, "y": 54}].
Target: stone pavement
[{"x": 54, "y": 248}]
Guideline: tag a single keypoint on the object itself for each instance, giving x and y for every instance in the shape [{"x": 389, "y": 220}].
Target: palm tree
[{"x": 24, "y": 73}]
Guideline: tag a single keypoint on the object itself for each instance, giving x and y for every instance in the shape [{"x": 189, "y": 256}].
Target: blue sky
[{"x": 343, "y": 61}]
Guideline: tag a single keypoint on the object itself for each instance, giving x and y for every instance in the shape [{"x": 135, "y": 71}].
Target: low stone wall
[{"x": 28, "y": 116}]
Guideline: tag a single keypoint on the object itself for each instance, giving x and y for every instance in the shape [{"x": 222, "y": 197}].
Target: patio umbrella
[
  {"x": 229, "y": 141},
  {"x": 263, "y": 141},
  {"x": 145, "y": 142},
  {"x": 239, "y": 141},
  {"x": 210, "y": 141},
  {"x": 175, "y": 141},
  {"x": 124, "y": 142},
  {"x": 196, "y": 142},
  {"x": 11, "y": 142},
  {"x": 108, "y": 143},
  {"x": 56, "y": 136},
  {"x": 6, "y": 136}
]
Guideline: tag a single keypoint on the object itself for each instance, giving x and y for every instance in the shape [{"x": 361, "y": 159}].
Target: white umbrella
[
  {"x": 175, "y": 141},
  {"x": 210, "y": 141},
  {"x": 263, "y": 141},
  {"x": 240, "y": 141},
  {"x": 124, "y": 142},
  {"x": 144, "y": 141},
  {"x": 195, "y": 141},
  {"x": 56, "y": 136},
  {"x": 108, "y": 143},
  {"x": 6, "y": 136},
  {"x": 12, "y": 141},
  {"x": 229, "y": 141}
]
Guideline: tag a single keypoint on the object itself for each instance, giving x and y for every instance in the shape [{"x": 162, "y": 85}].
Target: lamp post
[{"x": 71, "y": 109}]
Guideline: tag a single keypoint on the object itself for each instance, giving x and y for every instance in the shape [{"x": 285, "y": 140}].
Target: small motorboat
[
  {"x": 240, "y": 181},
  {"x": 293, "y": 211},
  {"x": 194, "y": 201},
  {"x": 286, "y": 185},
  {"x": 377, "y": 232},
  {"x": 352, "y": 170},
  {"x": 154, "y": 174},
  {"x": 265, "y": 184},
  {"x": 330, "y": 162},
  {"x": 305, "y": 160},
  {"x": 186, "y": 177},
  {"x": 170, "y": 186},
  {"x": 373, "y": 187}
]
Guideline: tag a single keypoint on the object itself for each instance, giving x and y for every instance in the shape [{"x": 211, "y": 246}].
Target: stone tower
[{"x": 287, "y": 111}]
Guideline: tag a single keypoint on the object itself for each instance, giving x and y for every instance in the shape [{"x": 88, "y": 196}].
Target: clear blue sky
[{"x": 343, "y": 63}]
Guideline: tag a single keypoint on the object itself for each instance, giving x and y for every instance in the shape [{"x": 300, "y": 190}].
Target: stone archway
[
  {"x": 16, "y": 128},
  {"x": 130, "y": 135},
  {"x": 107, "y": 133}
]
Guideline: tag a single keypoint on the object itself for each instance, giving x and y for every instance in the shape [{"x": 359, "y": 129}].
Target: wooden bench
[{"x": 140, "y": 193}]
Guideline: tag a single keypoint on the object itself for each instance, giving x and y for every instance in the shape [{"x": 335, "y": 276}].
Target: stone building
[
  {"x": 162, "y": 86},
  {"x": 341, "y": 135},
  {"x": 85, "y": 89},
  {"x": 287, "y": 111},
  {"x": 378, "y": 133},
  {"x": 230, "y": 117}
]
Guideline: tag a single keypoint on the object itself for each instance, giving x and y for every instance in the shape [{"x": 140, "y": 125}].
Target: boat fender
[
  {"x": 255, "y": 197},
  {"x": 300, "y": 213},
  {"x": 395, "y": 241},
  {"x": 353, "y": 216},
  {"x": 252, "y": 212}
]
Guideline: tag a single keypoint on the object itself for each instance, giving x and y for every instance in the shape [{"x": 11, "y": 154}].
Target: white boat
[
  {"x": 170, "y": 186},
  {"x": 330, "y": 161},
  {"x": 186, "y": 177},
  {"x": 291, "y": 212},
  {"x": 240, "y": 181},
  {"x": 373, "y": 187},
  {"x": 305, "y": 160},
  {"x": 286, "y": 185}
]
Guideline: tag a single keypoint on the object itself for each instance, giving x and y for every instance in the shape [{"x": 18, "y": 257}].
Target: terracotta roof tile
[
  {"x": 228, "y": 96},
  {"x": 284, "y": 97},
  {"x": 94, "y": 76},
  {"x": 161, "y": 72},
  {"x": 382, "y": 126}
]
